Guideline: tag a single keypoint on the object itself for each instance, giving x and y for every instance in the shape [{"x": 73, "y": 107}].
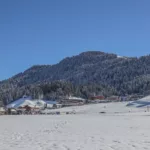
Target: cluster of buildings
[
  {"x": 72, "y": 101},
  {"x": 26, "y": 105}
]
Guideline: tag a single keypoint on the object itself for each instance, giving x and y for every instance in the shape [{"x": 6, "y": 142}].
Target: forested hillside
[{"x": 87, "y": 74}]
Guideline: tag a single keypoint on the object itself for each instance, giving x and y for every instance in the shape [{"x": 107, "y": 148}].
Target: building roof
[
  {"x": 76, "y": 98},
  {"x": 27, "y": 101},
  {"x": 17, "y": 103},
  {"x": 50, "y": 102}
]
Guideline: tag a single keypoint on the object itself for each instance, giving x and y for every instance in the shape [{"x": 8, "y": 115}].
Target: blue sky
[{"x": 45, "y": 31}]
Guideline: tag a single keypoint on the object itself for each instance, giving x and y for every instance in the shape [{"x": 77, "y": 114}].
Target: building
[
  {"x": 17, "y": 103},
  {"x": 73, "y": 101},
  {"x": 11, "y": 111},
  {"x": 100, "y": 97},
  {"x": 27, "y": 101},
  {"x": 114, "y": 98},
  {"x": 26, "y": 105},
  {"x": 2, "y": 111},
  {"x": 28, "y": 110},
  {"x": 52, "y": 104}
]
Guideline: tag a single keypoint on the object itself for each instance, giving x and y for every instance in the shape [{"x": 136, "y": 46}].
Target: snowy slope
[{"x": 140, "y": 103}]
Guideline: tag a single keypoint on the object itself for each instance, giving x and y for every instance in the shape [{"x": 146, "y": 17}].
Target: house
[
  {"x": 73, "y": 101},
  {"x": 52, "y": 104},
  {"x": 59, "y": 105},
  {"x": 97, "y": 99},
  {"x": 2, "y": 111},
  {"x": 28, "y": 105},
  {"x": 27, "y": 101},
  {"x": 100, "y": 97},
  {"x": 28, "y": 110},
  {"x": 40, "y": 103},
  {"x": 114, "y": 98},
  {"x": 17, "y": 103}
]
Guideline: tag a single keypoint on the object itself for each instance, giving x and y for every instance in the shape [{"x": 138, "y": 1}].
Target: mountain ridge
[{"x": 103, "y": 71}]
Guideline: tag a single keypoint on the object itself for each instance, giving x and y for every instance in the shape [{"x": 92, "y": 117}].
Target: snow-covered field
[{"x": 121, "y": 128}]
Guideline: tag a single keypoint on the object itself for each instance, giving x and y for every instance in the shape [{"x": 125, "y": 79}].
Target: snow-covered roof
[
  {"x": 17, "y": 103},
  {"x": 76, "y": 98},
  {"x": 39, "y": 102},
  {"x": 26, "y": 101},
  {"x": 50, "y": 102}
]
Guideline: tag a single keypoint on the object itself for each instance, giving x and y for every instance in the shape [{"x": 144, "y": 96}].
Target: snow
[
  {"x": 144, "y": 102},
  {"x": 120, "y": 128},
  {"x": 122, "y": 57},
  {"x": 18, "y": 102},
  {"x": 147, "y": 98},
  {"x": 76, "y": 98},
  {"x": 27, "y": 101}
]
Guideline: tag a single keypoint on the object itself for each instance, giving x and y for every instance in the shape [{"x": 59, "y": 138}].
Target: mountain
[{"x": 86, "y": 74}]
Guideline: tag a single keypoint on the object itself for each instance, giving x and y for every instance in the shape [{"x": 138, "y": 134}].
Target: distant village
[{"x": 28, "y": 106}]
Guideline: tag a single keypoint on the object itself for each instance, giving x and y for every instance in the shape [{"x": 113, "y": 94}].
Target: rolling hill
[{"x": 88, "y": 73}]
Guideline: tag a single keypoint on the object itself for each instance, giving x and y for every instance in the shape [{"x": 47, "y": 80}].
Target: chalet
[
  {"x": 100, "y": 97},
  {"x": 52, "y": 104},
  {"x": 114, "y": 98},
  {"x": 27, "y": 105},
  {"x": 2, "y": 111},
  {"x": 17, "y": 103},
  {"x": 73, "y": 101},
  {"x": 27, "y": 101}
]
